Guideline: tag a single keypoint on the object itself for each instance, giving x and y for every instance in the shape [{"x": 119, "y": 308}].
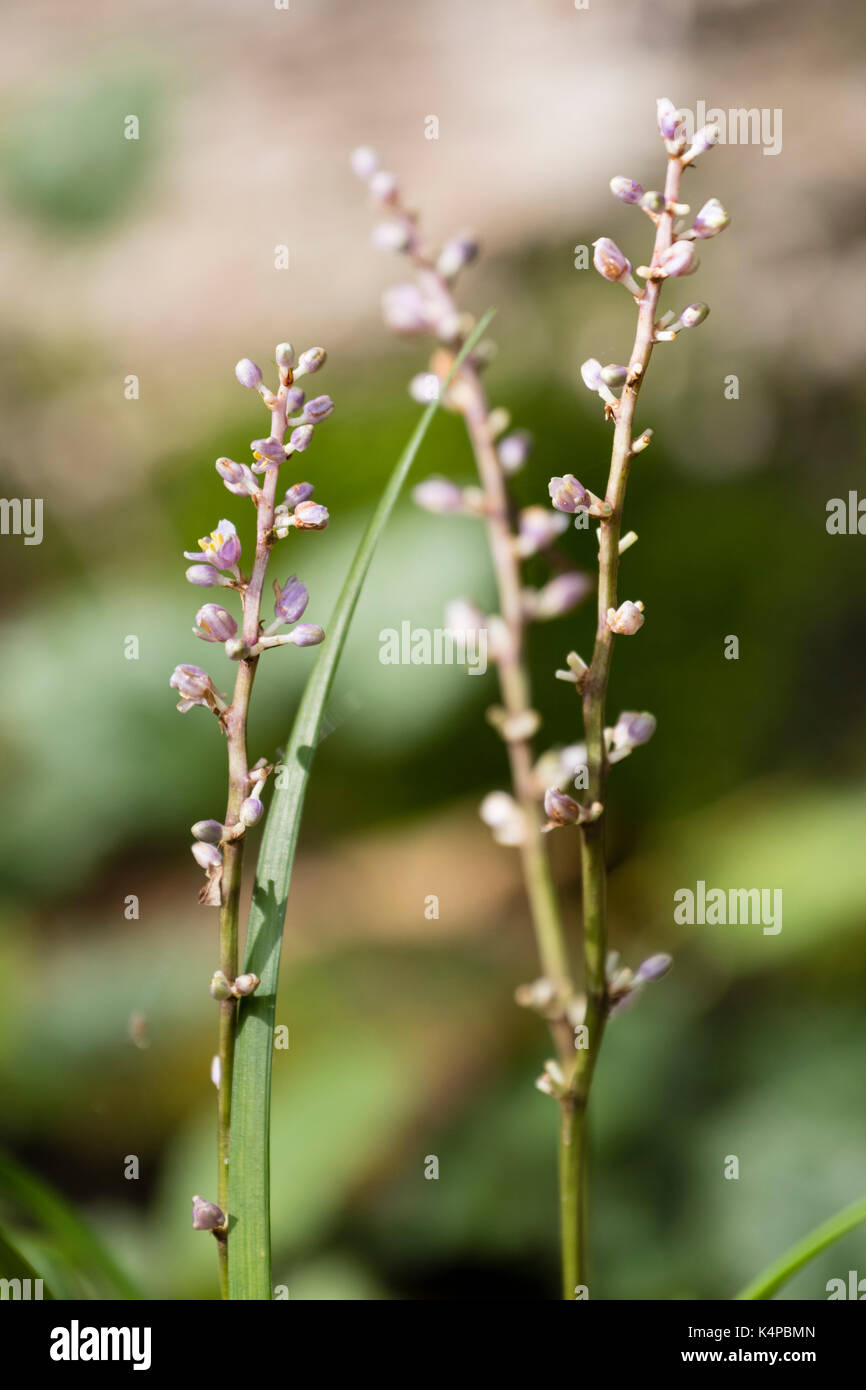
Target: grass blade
[
  {"x": 75, "y": 1244},
  {"x": 249, "y": 1182},
  {"x": 775, "y": 1275}
]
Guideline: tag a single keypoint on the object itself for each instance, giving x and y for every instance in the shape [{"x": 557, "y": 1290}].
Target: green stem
[{"x": 594, "y": 694}]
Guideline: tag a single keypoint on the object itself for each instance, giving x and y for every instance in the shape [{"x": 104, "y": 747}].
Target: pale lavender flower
[
  {"x": 627, "y": 619},
  {"x": 222, "y": 548},
  {"x": 609, "y": 261},
  {"x": 568, "y": 495},
  {"x": 194, "y": 686},
  {"x": 384, "y": 186},
  {"x": 626, "y": 189},
  {"x": 514, "y": 449},
  {"x": 270, "y": 450},
  {"x": 503, "y": 815},
  {"x": 704, "y": 140},
  {"x": 678, "y": 259},
  {"x": 306, "y": 635},
  {"x": 391, "y": 236},
  {"x": 559, "y": 596},
  {"x": 312, "y": 360},
  {"x": 284, "y": 354},
  {"x": 425, "y": 387},
  {"x": 251, "y": 810},
  {"x": 669, "y": 118},
  {"x": 298, "y": 492},
  {"x": 654, "y": 967},
  {"x": 693, "y": 315},
  {"x": 291, "y": 599},
  {"x": 318, "y": 409},
  {"x": 214, "y": 624},
  {"x": 560, "y": 808},
  {"x": 404, "y": 309},
  {"x": 364, "y": 161},
  {"x": 207, "y": 856},
  {"x": 295, "y": 398},
  {"x": 310, "y": 516},
  {"x": 711, "y": 220},
  {"x": 237, "y": 477},
  {"x": 301, "y": 438},
  {"x": 438, "y": 495},
  {"x": 210, "y": 831},
  {"x": 205, "y": 576},
  {"x": 456, "y": 254},
  {"x": 206, "y": 1216},
  {"x": 538, "y": 528},
  {"x": 248, "y": 374}
]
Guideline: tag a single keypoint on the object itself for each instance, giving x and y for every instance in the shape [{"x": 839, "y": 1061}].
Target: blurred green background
[{"x": 155, "y": 258}]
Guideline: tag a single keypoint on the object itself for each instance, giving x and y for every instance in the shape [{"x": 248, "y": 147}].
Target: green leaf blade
[
  {"x": 770, "y": 1280},
  {"x": 249, "y": 1179}
]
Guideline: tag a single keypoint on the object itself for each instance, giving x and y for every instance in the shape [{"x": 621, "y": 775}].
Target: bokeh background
[{"x": 155, "y": 257}]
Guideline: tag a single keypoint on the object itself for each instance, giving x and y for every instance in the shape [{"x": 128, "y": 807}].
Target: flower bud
[
  {"x": 559, "y": 808},
  {"x": 438, "y": 495},
  {"x": 298, "y": 492},
  {"x": 669, "y": 118},
  {"x": 384, "y": 186},
  {"x": 703, "y": 141},
  {"x": 391, "y": 236},
  {"x": 214, "y": 624},
  {"x": 505, "y": 818},
  {"x": 693, "y": 315},
  {"x": 307, "y": 635},
  {"x": 627, "y": 619},
  {"x": 270, "y": 449},
  {"x": 425, "y": 387},
  {"x": 301, "y": 438},
  {"x": 219, "y": 987},
  {"x": 679, "y": 259},
  {"x": 237, "y": 649},
  {"x": 203, "y": 575},
  {"x": 513, "y": 450},
  {"x": 248, "y": 374},
  {"x": 613, "y": 375},
  {"x": 711, "y": 219},
  {"x": 608, "y": 260},
  {"x": 626, "y": 189},
  {"x": 364, "y": 162},
  {"x": 291, "y": 599},
  {"x": 654, "y": 967},
  {"x": 404, "y": 309},
  {"x": 653, "y": 201},
  {"x": 205, "y": 855},
  {"x": 245, "y": 985},
  {"x": 457, "y": 253},
  {"x": 538, "y": 528},
  {"x": 251, "y": 810},
  {"x": 206, "y": 1216},
  {"x": 310, "y": 516},
  {"x": 636, "y": 728},
  {"x": 311, "y": 361},
  {"x": 194, "y": 686},
  {"x": 237, "y": 477},
  {"x": 568, "y": 495},
  {"x": 210, "y": 831},
  {"x": 319, "y": 408},
  {"x": 285, "y": 355},
  {"x": 560, "y": 596},
  {"x": 295, "y": 398}
]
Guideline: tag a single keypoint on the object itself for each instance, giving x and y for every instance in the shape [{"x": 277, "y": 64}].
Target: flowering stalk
[
  {"x": 427, "y": 306},
  {"x": 607, "y": 986},
  {"x": 219, "y": 845}
]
